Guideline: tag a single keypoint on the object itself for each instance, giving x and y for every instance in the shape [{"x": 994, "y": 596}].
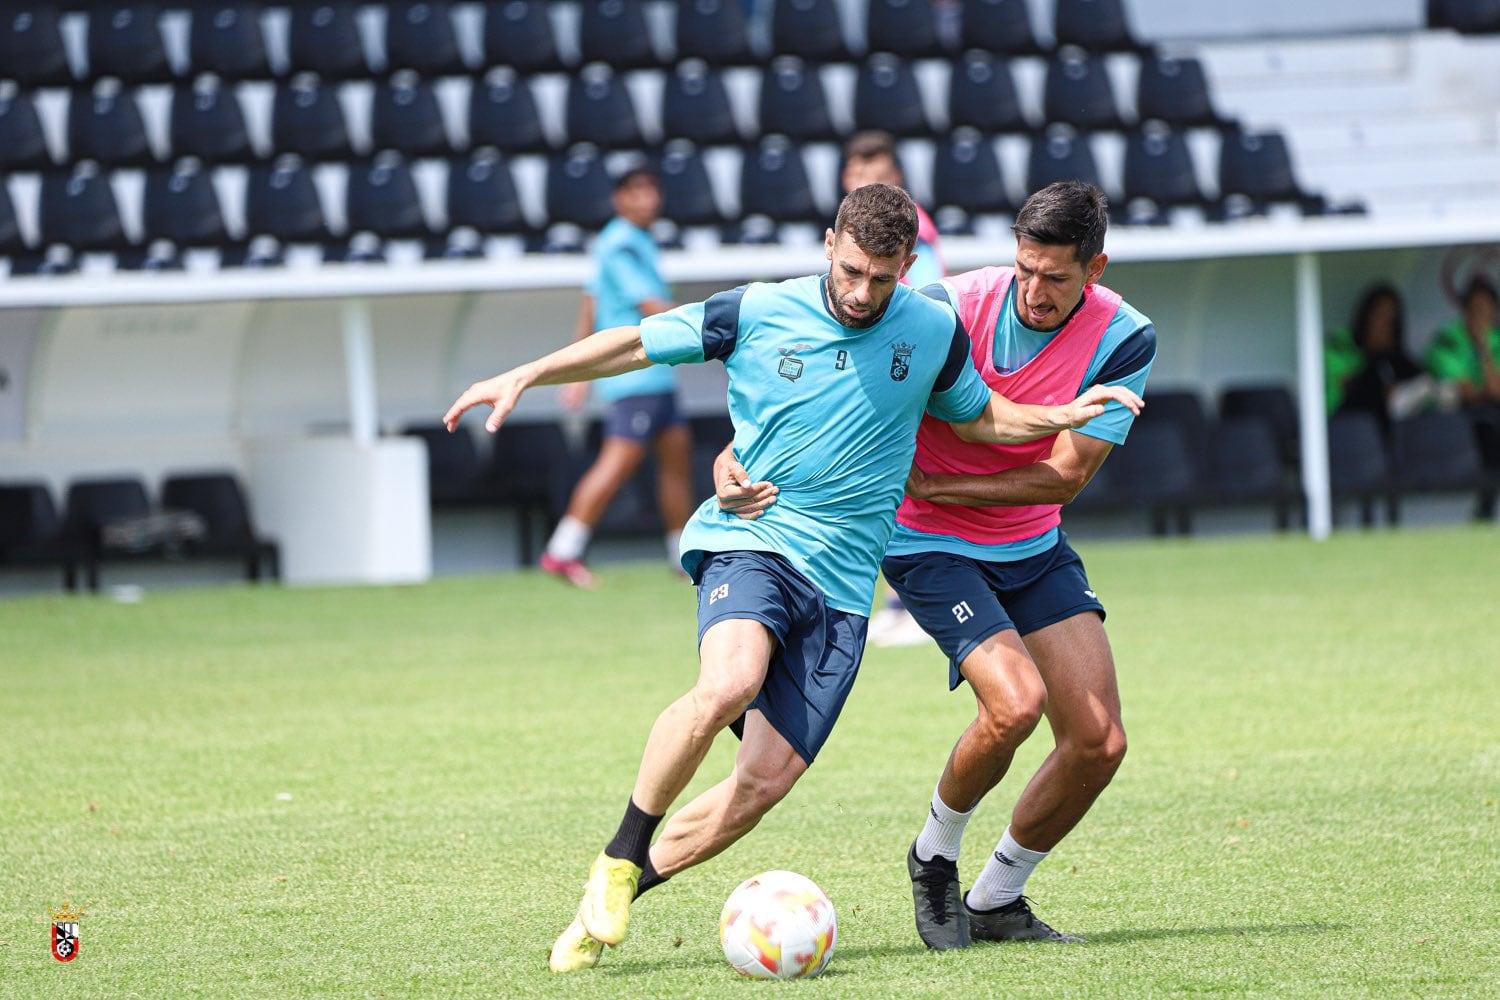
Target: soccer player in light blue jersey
[{"x": 829, "y": 376}]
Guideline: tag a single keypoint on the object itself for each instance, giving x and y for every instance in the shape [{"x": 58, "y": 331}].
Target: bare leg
[
  {"x": 764, "y": 771},
  {"x": 1011, "y": 697},
  {"x": 733, "y": 658},
  {"x": 617, "y": 461},
  {"x": 674, "y": 478},
  {"x": 1083, "y": 706}
]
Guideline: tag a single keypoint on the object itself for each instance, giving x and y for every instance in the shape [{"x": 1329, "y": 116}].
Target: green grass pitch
[{"x": 396, "y": 792}]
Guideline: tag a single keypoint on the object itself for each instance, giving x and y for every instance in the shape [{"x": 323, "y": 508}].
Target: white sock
[
  {"x": 943, "y": 832},
  {"x": 1002, "y": 881},
  {"x": 674, "y": 540},
  {"x": 570, "y": 539}
]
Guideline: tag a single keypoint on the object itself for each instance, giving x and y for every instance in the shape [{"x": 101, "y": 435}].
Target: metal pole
[
  {"x": 359, "y": 369},
  {"x": 1314, "y": 429}
]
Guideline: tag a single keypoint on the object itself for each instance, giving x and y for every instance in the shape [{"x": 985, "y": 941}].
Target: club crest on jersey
[
  {"x": 790, "y": 367},
  {"x": 901, "y": 361}
]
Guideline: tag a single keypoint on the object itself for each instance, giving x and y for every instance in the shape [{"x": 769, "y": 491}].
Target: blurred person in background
[
  {"x": 1367, "y": 364},
  {"x": 1465, "y": 353},
  {"x": 642, "y": 405}
]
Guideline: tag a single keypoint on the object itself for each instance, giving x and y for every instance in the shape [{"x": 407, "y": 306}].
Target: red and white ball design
[{"x": 778, "y": 925}]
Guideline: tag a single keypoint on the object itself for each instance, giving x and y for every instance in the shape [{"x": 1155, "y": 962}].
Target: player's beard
[{"x": 843, "y": 316}]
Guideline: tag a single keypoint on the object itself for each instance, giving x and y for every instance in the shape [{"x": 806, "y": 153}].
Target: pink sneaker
[{"x": 568, "y": 570}]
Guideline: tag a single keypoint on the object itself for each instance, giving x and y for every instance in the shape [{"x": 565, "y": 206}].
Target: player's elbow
[{"x": 1070, "y": 483}]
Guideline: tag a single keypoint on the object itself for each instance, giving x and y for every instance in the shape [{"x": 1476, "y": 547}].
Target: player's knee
[
  {"x": 758, "y": 789},
  {"x": 1102, "y": 752},
  {"x": 720, "y": 700},
  {"x": 1009, "y": 716}
]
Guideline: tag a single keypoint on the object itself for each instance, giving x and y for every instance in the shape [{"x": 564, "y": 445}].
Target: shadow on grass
[{"x": 1247, "y": 930}]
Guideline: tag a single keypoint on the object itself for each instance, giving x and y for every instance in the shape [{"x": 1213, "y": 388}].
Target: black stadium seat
[
  {"x": 31, "y": 47},
  {"x": 982, "y": 94},
  {"x": 217, "y": 498},
  {"x": 1061, "y": 154},
  {"x": 1270, "y": 403},
  {"x": 406, "y": 117},
  {"x": 1175, "y": 90},
  {"x": 907, "y": 28},
  {"x": 695, "y": 105},
  {"x": 579, "y": 189},
  {"x": 599, "y": 109},
  {"x": 125, "y": 42},
  {"x": 1096, "y": 25},
  {"x": 182, "y": 206},
  {"x": 482, "y": 195},
  {"x": 687, "y": 195},
  {"x": 31, "y": 533},
  {"x": 78, "y": 210},
  {"x": 1159, "y": 174},
  {"x": 1244, "y": 466},
  {"x": 207, "y": 122},
  {"x": 106, "y": 126},
  {"x": 419, "y": 36},
  {"x": 966, "y": 180},
  {"x": 774, "y": 182},
  {"x": 518, "y": 34},
  {"x": 886, "y": 97},
  {"x": 323, "y": 38},
  {"x": 999, "y": 26},
  {"x": 226, "y": 39},
  {"x": 792, "y": 102},
  {"x": 614, "y": 32},
  {"x": 281, "y": 201},
  {"x": 23, "y": 145},
  {"x": 1078, "y": 91},
  {"x": 1359, "y": 466},
  {"x": 1255, "y": 170},
  {"x": 503, "y": 114},
  {"x": 382, "y": 199},
  {"x": 307, "y": 119},
  {"x": 808, "y": 29},
  {"x": 12, "y": 241},
  {"x": 714, "y": 31}
]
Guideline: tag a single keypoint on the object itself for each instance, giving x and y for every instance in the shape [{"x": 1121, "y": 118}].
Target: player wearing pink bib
[{"x": 979, "y": 559}]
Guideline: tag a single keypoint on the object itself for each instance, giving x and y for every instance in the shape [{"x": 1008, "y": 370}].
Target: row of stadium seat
[
  {"x": 145, "y": 42},
  {"x": 743, "y": 194},
  {"x": 319, "y": 119}
]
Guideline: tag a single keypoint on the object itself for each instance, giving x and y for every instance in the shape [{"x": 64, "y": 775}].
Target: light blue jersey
[
  {"x": 826, "y": 412},
  {"x": 627, "y": 273},
  {"x": 1124, "y": 357}
]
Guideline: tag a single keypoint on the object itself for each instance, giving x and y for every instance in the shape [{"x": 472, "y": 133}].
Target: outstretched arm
[
  {"x": 1005, "y": 422},
  {"x": 608, "y": 352},
  {"x": 1057, "y": 479}
]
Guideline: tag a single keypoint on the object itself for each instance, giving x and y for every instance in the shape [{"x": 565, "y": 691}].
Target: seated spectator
[
  {"x": 1466, "y": 354},
  {"x": 1368, "y": 367}
]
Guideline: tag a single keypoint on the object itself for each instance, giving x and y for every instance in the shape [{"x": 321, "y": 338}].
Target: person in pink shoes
[{"x": 642, "y": 409}]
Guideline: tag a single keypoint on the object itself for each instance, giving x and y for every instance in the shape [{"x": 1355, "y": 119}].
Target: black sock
[
  {"x": 649, "y": 877},
  {"x": 633, "y": 839}
]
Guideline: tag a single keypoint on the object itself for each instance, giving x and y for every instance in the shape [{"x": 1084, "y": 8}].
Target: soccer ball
[{"x": 778, "y": 925}]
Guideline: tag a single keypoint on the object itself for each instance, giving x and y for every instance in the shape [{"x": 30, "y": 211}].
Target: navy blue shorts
[
  {"x": 818, "y": 651},
  {"x": 961, "y": 602},
  {"x": 641, "y": 418}
]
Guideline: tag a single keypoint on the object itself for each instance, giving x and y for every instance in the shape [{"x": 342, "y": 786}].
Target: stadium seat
[
  {"x": 1060, "y": 154},
  {"x": 323, "y": 38},
  {"x": 579, "y": 189},
  {"x": 1096, "y": 25},
  {"x": 774, "y": 182},
  {"x": 125, "y": 42},
  {"x": 695, "y": 105},
  {"x": 614, "y": 32},
  {"x": 886, "y": 97},
  {"x": 218, "y": 499},
  {"x": 1159, "y": 174},
  {"x": 420, "y": 37},
  {"x": 792, "y": 102},
  {"x": 78, "y": 210},
  {"x": 206, "y": 122},
  {"x": 1183, "y": 407},
  {"x": 382, "y": 199},
  {"x": 1439, "y": 453},
  {"x": 982, "y": 95},
  {"x": 1359, "y": 467},
  {"x": 481, "y": 194},
  {"x": 106, "y": 126},
  {"x": 907, "y": 28},
  {"x": 518, "y": 34},
  {"x": 503, "y": 114},
  {"x": 1154, "y": 469},
  {"x": 714, "y": 31},
  {"x": 1245, "y": 466},
  {"x": 23, "y": 145},
  {"x": 967, "y": 181},
  {"x": 999, "y": 26},
  {"x": 1475, "y": 17},
  {"x": 1175, "y": 90},
  {"x": 456, "y": 476},
  {"x": 599, "y": 109},
  {"x": 31, "y": 47},
  {"x": 1272, "y": 404},
  {"x": 281, "y": 201},
  {"x": 226, "y": 40},
  {"x": 1078, "y": 92},
  {"x": 406, "y": 117},
  {"x": 31, "y": 533},
  {"x": 92, "y": 505},
  {"x": 182, "y": 206},
  {"x": 307, "y": 119},
  {"x": 12, "y": 240},
  {"x": 522, "y": 459},
  {"x": 1255, "y": 172},
  {"x": 808, "y": 29},
  {"x": 687, "y": 195}
]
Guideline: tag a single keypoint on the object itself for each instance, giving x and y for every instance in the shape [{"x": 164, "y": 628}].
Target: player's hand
[
  {"x": 500, "y": 392},
  {"x": 736, "y": 492},
  {"x": 916, "y": 483},
  {"x": 573, "y": 396},
  {"x": 1092, "y": 403}
]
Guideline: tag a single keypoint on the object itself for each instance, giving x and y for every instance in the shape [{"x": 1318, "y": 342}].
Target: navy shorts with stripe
[
  {"x": 961, "y": 602},
  {"x": 641, "y": 418},
  {"x": 818, "y": 648}
]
